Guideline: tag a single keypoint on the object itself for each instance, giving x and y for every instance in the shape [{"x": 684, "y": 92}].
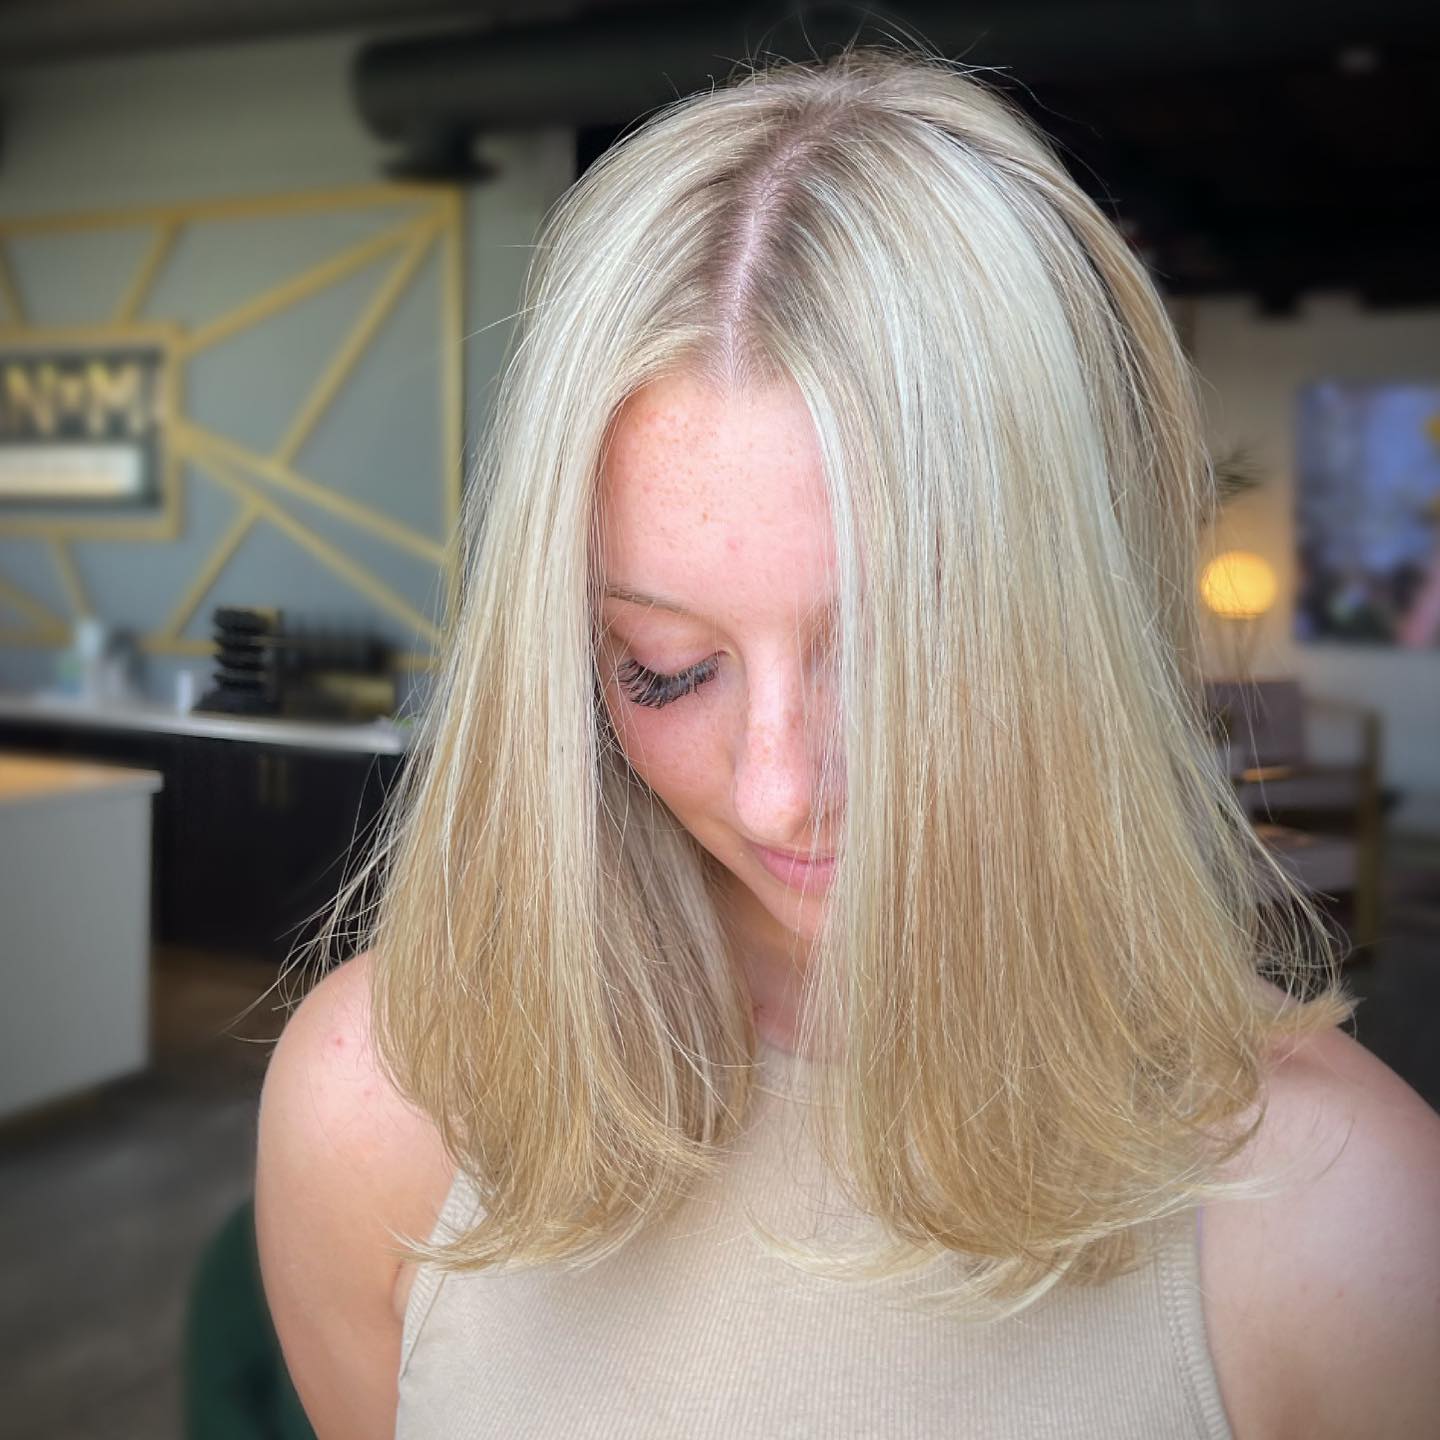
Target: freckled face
[{"x": 716, "y": 503}]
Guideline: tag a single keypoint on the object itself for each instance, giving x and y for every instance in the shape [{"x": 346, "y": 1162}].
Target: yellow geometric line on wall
[
  {"x": 329, "y": 555},
  {"x": 138, "y": 291},
  {"x": 45, "y": 618},
  {"x": 14, "y": 310},
  {"x": 70, "y": 577},
  {"x": 299, "y": 287},
  {"x": 215, "y": 562},
  {"x": 193, "y": 442},
  {"x": 345, "y": 358},
  {"x": 435, "y": 213},
  {"x": 231, "y": 207},
  {"x": 452, "y": 345}
]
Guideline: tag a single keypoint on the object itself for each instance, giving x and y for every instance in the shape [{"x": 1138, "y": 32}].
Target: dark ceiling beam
[
  {"x": 1275, "y": 146},
  {"x": 42, "y": 31},
  {"x": 1048, "y": 35},
  {"x": 606, "y": 67}
]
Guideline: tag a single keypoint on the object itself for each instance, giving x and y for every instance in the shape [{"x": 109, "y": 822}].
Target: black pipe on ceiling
[{"x": 609, "y": 67}]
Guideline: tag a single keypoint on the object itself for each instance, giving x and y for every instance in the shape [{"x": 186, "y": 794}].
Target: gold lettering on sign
[
  {"x": 29, "y": 398},
  {"x": 69, "y": 393},
  {"x": 115, "y": 390},
  {"x": 40, "y": 397}
]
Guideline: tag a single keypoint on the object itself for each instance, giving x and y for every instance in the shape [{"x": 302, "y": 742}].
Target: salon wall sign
[{"x": 83, "y": 423}]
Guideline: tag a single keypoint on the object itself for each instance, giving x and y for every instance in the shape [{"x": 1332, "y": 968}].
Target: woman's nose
[{"x": 779, "y": 766}]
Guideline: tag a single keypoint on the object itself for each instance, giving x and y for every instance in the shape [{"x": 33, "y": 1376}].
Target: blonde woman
[{"x": 813, "y": 980}]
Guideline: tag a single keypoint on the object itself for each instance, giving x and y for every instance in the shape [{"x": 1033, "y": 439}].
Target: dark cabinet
[{"x": 251, "y": 841}]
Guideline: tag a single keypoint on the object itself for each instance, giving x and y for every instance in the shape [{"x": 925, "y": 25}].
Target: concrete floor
[{"x": 105, "y": 1203}]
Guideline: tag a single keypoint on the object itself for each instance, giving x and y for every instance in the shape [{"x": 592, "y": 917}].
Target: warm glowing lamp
[{"x": 1239, "y": 587}]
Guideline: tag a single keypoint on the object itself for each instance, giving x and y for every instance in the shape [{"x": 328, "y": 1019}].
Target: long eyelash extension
[{"x": 647, "y": 687}]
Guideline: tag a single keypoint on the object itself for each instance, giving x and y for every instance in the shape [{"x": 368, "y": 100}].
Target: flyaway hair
[{"x": 1039, "y": 973}]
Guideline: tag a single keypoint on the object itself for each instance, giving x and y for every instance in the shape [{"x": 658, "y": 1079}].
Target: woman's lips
[{"x": 797, "y": 874}]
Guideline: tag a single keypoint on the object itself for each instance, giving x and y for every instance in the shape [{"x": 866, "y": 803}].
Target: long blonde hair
[{"x": 1038, "y": 967}]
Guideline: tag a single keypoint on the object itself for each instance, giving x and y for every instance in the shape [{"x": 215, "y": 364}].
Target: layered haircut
[{"x": 1036, "y": 987}]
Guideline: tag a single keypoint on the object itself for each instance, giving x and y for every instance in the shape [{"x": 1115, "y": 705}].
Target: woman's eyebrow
[
  {"x": 659, "y": 602},
  {"x": 825, "y": 611}
]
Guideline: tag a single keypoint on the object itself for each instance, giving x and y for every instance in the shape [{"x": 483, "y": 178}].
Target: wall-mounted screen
[{"x": 1368, "y": 514}]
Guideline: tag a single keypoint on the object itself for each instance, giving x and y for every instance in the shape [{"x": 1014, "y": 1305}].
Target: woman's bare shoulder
[
  {"x": 343, "y": 1165},
  {"x": 1322, "y": 1301}
]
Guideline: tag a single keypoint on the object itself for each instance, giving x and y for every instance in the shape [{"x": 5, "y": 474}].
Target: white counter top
[
  {"x": 379, "y": 737},
  {"x": 75, "y": 897},
  {"x": 31, "y": 778}
]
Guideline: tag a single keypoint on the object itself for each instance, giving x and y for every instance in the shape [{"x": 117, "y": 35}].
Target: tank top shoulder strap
[
  {"x": 1177, "y": 1263},
  {"x": 456, "y": 1215}
]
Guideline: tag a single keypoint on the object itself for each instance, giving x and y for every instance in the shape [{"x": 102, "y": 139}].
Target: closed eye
[{"x": 650, "y": 688}]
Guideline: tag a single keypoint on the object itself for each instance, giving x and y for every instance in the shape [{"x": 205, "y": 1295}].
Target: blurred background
[{"x": 258, "y": 266}]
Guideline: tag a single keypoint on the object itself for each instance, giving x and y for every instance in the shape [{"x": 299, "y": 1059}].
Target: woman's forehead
[{"x": 716, "y": 497}]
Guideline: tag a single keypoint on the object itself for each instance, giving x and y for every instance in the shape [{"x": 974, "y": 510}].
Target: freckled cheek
[{"x": 680, "y": 756}]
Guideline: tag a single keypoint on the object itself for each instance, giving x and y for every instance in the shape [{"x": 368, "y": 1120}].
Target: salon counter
[
  {"x": 256, "y": 822},
  {"x": 75, "y": 904}
]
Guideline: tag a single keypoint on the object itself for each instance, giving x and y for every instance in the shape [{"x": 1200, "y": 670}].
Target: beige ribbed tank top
[{"x": 692, "y": 1332}]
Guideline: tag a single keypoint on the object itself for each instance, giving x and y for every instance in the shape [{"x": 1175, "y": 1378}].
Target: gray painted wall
[{"x": 240, "y": 120}]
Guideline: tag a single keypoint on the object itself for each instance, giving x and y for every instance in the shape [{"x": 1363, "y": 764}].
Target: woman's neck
[{"x": 772, "y": 961}]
